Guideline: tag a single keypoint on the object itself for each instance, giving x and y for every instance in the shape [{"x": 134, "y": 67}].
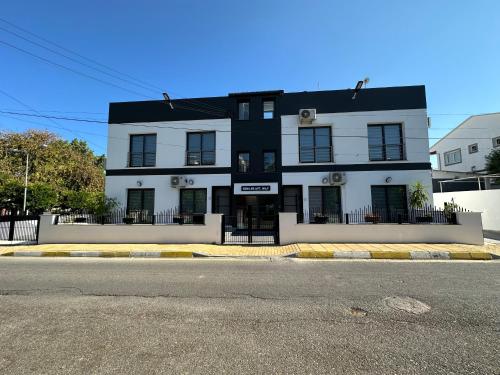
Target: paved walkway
[{"x": 241, "y": 250}]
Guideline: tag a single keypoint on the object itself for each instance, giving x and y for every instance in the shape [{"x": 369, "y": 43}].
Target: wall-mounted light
[
  {"x": 139, "y": 183},
  {"x": 388, "y": 180}
]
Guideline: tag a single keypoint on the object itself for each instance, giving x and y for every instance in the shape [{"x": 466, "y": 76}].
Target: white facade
[{"x": 476, "y": 133}]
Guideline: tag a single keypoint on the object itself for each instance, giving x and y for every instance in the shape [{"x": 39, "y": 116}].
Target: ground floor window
[
  {"x": 221, "y": 200},
  {"x": 292, "y": 199},
  {"x": 389, "y": 201},
  {"x": 193, "y": 201},
  {"x": 325, "y": 203},
  {"x": 141, "y": 204}
]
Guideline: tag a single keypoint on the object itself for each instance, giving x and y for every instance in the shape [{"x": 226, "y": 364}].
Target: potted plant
[
  {"x": 128, "y": 220},
  {"x": 178, "y": 219},
  {"x": 418, "y": 199},
  {"x": 80, "y": 220},
  {"x": 450, "y": 209},
  {"x": 198, "y": 218},
  {"x": 319, "y": 218},
  {"x": 372, "y": 218}
]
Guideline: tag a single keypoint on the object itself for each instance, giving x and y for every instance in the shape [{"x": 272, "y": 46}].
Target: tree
[
  {"x": 418, "y": 195},
  {"x": 493, "y": 162},
  {"x": 56, "y": 167}
]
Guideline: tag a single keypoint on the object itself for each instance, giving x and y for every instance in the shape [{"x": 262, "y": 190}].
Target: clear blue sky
[{"x": 209, "y": 48}]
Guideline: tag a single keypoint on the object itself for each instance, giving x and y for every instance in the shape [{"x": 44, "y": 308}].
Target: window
[
  {"x": 389, "y": 201},
  {"x": 193, "y": 201},
  {"x": 292, "y": 199},
  {"x": 243, "y": 162},
  {"x": 325, "y": 200},
  {"x": 243, "y": 110},
  {"x": 473, "y": 148},
  {"x": 269, "y": 161},
  {"x": 268, "y": 109},
  {"x": 200, "y": 148},
  {"x": 315, "y": 145},
  {"x": 453, "y": 157},
  {"x": 141, "y": 200},
  {"x": 496, "y": 142},
  {"x": 385, "y": 142},
  {"x": 142, "y": 152},
  {"x": 221, "y": 200}
]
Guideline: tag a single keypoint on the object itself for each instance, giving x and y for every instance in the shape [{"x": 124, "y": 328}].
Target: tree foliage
[
  {"x": 493, "y": 162},
  {"x": 57, "y": 169}
]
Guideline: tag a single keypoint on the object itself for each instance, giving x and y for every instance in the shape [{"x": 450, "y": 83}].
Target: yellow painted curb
[
  {"x": 480, "y": 256},
  {"x": 390, "y": 254},
  {"x": 7, "y": 254},
  {"x": 115, "y": 254},
  {"x": 55, "y": 254},
  {"x": 315, "y": 254},
  {"x": 456, "y": 255},
  {"x": 176, "y": 254}
]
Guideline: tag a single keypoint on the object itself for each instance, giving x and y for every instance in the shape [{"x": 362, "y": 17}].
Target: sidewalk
[{"x": 351, "y": 250}]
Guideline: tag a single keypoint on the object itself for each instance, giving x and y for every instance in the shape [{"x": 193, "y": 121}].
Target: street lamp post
[{"x": 25, "y": 175}]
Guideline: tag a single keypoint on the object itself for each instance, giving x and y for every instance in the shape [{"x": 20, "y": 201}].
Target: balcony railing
[
  {"x": 200, "y": 157},
  {"x": 386, "y": 152},
  {"x": 141, "y": 159},
  {"x": 316, "y": 154}
]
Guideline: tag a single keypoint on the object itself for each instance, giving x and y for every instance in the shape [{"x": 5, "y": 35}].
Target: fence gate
[
  {"x": 19, "y": 228},
  {"x": 250, "y": 229}
]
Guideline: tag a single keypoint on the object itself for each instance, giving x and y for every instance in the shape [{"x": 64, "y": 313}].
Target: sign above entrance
[{"x": 256, "y": 188}]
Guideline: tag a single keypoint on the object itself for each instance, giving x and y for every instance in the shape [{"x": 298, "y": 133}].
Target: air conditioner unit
[
  {"x": 178, "y": 181},
  {"x": 307, "y": 116},
  {"x": 337, "y": 178}
]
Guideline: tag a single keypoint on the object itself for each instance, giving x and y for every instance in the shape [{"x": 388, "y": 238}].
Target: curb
[
  {"x": 408, "y": 255},
  {"x": 307, "y": 254}
]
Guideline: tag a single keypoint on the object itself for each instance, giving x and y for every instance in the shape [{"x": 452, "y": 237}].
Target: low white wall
[
  {"x": 485, "y": 201},
  {"x": 210, "y": 232},
  {"x": 468, "y": 231}
]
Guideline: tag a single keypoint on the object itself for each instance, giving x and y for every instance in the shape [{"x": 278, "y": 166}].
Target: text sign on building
[{"x": 256, "y": 188}]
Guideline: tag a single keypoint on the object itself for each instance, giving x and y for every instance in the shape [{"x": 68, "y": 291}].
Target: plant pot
[
  {"x": 80, "y": 220},
  {"x": 424, "y": 219},
  {"x": 198, "y": 219},
  {"x": 374, "y": 219},
  {"x": 320, "y": 219},
  {"x": 128, "y": 220},
  {"x": 178, "y": 220}
]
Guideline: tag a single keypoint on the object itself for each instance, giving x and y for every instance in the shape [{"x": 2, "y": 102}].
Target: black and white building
[{"x": 270, "y": 151}]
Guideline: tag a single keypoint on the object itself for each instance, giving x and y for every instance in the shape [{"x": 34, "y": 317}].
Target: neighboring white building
[
  {"x": 253, "y": 151},
  {"x": 464, "y": 148}
]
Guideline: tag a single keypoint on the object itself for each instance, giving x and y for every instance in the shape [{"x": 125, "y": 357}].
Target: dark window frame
[
  {"x": 181, "y": 192},
  {"x": 330, "y": 153},
  {"x": 495, "y": 141},
  {"x": 201, "y": 151},
  {"x": 271, "y": 100},
  {"x": 240, "y": 102},
  {"x": 142, "y": 197},
  {"x": 471, "y": 151},
  {"x": 402, "y": 153},
  {"x": 214, "y": 198},
  {"x": 131, "y": 136},
  {"x": 449, "y": 152},
  {"x": 300, "y": 201},
  {"x": 386, "y": 188},
  {"x": 249, "y": 161},
  {"x": 264, "y": 152}
]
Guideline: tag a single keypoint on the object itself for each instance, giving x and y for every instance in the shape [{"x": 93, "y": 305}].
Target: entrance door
[{"x": 255, "y": 220}]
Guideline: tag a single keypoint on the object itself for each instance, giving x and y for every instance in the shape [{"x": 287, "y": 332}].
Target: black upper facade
[{"x": 332, "y": 101}]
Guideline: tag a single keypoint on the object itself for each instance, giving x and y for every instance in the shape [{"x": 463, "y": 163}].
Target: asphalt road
[{"x": 118, "y": 316}]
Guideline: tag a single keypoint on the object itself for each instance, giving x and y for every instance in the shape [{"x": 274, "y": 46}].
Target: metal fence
[
  {"x": 373, "y": 215},
  {"x": 124, "y": 216},
  {"x": 19, "y": 227}
]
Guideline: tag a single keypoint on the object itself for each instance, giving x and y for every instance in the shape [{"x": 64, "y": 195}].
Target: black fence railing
[
  {"x": 123, "y": 216},
  {"x": 371, "y": 215}
]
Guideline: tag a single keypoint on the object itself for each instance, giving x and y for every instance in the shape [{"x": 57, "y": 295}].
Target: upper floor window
[
  {"x": 315, "y": 145},
  {"x": 243, "y": 110},
  {"x": 200, "y": 148},
  {"x": 243, "y": 162},
  {"x": 385, "y": 142},
  {"x": 142, "y": 152},
  {"x": 496, "y": 142},
  {"x": 269, "y": 161},
  {"x": 453, "y": 157},
  {"x": 473, "y": 148},
  {"x": 268, "y": 109}
]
